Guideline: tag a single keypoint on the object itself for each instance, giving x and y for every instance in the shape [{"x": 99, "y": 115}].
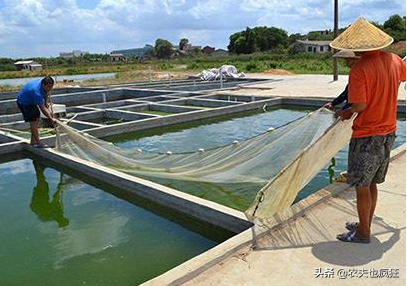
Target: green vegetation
[
  {"x": 259, "y": 62},
  {"x": 163, "y": 49},
  {"x": 258, "y": 39},
  {"x": 182, "y": 43},
  {"x": 256, "y": 62},
  {"x": 395, "y": 26}
]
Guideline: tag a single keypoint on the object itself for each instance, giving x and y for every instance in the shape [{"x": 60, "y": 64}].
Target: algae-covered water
[
  {"x": 223, "y": 130},
  {"x": 57, "y": 230}
]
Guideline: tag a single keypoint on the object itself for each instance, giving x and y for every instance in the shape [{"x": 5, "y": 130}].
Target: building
[
  {"x": 321, "y": 32},
  {"x": 190, "y": 48},
  {"x": 208, "y": 50},
  {"x": 75, "y": 53},
  {"x": 117, "y": 57},
  {"x": 311, "y": 46},
  {"x": 139, "y": 53},
  {"x": 27, "y": 66}
]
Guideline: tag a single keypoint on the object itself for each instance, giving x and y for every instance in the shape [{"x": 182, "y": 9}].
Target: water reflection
[{"x": 41, "y": 205}]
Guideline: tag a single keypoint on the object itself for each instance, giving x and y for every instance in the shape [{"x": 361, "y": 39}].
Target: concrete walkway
[
  {"x": 300, "y": 85},
  {"x": 290, "y": 254}
]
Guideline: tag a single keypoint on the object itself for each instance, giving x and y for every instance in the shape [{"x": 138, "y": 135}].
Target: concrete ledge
[
  {"x": 206, "y": 260},
  {"x": 82, "y": 125},
  {"x": 399, "y": 151},
  {"x": 11, "y": 147}
]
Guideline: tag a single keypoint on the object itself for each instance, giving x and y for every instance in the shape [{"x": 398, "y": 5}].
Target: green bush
[
  {"x": 165, "y": 66},
  {"x": 193, "y": 66},
  {"x": 71, "y": 71},
  {"x": 251, "y": 66}
]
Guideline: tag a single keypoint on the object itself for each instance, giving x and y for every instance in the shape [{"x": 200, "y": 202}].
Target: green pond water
[
  {"x": 58, "y": 230},
  {"x": 223, "y": 130}
]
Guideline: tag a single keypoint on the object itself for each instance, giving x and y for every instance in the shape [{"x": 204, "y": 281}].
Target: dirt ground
[{"x": 278, "y": 72}]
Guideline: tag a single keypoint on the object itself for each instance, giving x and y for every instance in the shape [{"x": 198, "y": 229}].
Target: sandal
[
  {"x": 351, "y": 225},
  {"x": 351, "y": 237},
  {"x": 40, "y": 145}
]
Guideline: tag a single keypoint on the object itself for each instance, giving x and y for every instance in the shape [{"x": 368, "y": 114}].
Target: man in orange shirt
[{"x": 373, "y": 90}]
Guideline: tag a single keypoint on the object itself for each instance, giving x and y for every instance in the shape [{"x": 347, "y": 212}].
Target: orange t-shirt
[{"x": 374, "y": 79}]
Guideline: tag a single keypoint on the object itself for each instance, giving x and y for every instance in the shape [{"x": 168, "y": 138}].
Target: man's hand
[
  {"x": 53, "y": 122},
  {"x": 344, "y": 114},
  {"x": 329, "y": 106},
  {"x": 48, "y": 115}
]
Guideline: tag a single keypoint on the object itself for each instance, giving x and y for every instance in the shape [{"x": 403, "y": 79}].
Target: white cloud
[
  {"x": 46, "y": 27},
  {"x": 196, "y": 37}
]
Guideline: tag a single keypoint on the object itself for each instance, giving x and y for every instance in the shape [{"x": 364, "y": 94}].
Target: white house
[
  {"x": 311, "y": 46},
  {"x": 27, "y": 65}
]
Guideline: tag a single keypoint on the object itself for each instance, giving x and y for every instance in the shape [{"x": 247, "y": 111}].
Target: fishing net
[{"x": 283, "y": 159}]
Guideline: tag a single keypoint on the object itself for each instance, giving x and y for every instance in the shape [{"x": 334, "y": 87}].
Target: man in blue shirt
[{"x": 31, "y": 98}]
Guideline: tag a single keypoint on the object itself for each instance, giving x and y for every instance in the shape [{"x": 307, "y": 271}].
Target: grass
[
  {"x": 257, "y": 62},
  {"x": 138, "y": 71}
]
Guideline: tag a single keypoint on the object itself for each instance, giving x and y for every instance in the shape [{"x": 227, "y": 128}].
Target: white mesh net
[{"x": 284, "y": 159}]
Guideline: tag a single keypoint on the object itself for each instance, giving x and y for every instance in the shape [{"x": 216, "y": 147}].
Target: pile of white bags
[{"x": 227, "y": 71}]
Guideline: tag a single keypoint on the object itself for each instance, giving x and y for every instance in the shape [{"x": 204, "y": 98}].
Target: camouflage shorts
[{"x": 368, "y": 159}]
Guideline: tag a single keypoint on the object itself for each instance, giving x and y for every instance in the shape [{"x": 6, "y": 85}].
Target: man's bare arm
[
  {"x": 347, "y": 113},
  {"x": 47, "y": 99},
  {"x": 47, "y": 114}
]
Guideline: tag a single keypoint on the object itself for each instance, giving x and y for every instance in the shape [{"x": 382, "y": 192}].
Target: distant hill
[{"x": 137, "y": 52}]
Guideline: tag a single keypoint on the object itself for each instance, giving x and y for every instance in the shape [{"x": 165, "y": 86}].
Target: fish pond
[
  {"x": 59, "y": 230},
  {"x": 222, "y": 130}
]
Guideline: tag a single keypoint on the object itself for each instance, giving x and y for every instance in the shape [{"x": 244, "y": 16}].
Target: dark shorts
[
  {"x": 368, "y": 159},
  {"x": 30, "y": 112}
]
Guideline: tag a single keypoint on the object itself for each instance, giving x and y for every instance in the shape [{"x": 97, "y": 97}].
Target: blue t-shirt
[{"x": 32, "y": 93}]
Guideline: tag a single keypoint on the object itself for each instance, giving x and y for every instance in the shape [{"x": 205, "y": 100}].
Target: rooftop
[{"x": 23, "y": 62}]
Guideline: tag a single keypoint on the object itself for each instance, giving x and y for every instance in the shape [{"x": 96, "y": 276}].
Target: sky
[{"x": 31, "y": 28}]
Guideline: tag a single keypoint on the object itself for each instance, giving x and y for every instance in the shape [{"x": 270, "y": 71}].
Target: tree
[
  {"x": 294, "y": 37},
  {"x": 232, "y": 41},
  {"x": 240, "y": 45},
  {"x": 163, "y": 49},
  {"x": 315, "y": 36},
  {"x": 267, "y": 39},
  {"x": 182, "y": 43},
  {"x": 395, "y": 26},
  {"x": 257, "y": 39}
]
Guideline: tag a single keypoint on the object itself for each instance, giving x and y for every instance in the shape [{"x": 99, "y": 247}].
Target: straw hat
[
  {"x": 361, "y": 36},
  {"x": 345, "y": 54}
]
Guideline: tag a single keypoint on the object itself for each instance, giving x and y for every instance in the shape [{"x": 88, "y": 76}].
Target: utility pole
[{"x": 335, "y": 35}]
